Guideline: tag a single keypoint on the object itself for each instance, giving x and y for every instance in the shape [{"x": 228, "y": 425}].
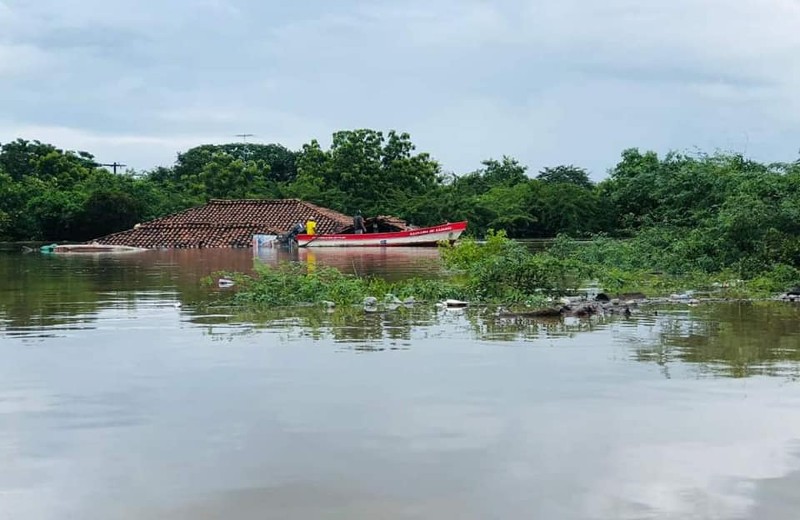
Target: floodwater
[{"x": 123, "y": 395}]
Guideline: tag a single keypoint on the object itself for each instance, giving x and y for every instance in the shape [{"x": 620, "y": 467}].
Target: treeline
[{"x": 708, "y": 212}]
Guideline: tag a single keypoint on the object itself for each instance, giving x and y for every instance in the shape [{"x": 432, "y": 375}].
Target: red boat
[{"x": 429, "y": 236}]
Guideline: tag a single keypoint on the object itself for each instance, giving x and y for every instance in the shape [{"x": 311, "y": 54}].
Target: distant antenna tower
[{"x": 246, "y": 147}]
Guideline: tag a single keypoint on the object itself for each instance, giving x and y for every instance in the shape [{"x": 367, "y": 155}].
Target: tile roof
[{"x": 227, "y": 223}]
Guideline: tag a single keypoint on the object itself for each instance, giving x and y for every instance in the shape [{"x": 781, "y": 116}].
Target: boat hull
[
  {"x": 93, "y": 248},
  {"x": 429, "y": 236}
]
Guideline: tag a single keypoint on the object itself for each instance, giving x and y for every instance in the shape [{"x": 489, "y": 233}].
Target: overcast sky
[{"x": 547, "y": 82}]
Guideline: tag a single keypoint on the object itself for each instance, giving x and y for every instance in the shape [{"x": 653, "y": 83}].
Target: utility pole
[
  {"x": 244, "y": 136},
  {"x": 113, "y": 165}
]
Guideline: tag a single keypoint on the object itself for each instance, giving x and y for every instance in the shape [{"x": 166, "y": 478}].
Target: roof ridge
[
  {"x": 330, "y": 213},
  {"x": 170, "y": 215}
]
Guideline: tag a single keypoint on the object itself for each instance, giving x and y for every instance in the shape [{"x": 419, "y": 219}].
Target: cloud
[
  {"x": 574, "y": 81},
  {"x": 112, "y": 147},
  {"x": 21, "y": 61}
]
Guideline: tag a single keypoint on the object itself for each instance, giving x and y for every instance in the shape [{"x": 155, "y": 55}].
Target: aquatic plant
[
  {"x": 293, "y": 283},
  {"x": 501, "y": 270}
]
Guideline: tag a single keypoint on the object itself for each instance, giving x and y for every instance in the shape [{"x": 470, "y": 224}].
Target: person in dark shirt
[{"x": 358, "y": 224}]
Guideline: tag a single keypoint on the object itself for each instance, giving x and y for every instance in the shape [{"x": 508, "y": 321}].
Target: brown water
[{"x": 117, "y": 404}]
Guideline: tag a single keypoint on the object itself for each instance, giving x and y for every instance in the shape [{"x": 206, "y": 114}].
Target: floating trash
[
  {"x": 392, "y": 299},
  {"x": 688, "y": 295},
  {"x": 225, "y": 283}
]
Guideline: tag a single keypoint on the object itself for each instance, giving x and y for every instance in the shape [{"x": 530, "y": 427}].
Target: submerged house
[{"x": 232, "y": 223}]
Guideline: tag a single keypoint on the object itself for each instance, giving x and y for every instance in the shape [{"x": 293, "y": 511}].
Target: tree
[
  {"x": 365, "y": 171},
  {"x": 23, "y": 158},
  {"x": 505, "y": 207},
  {"x": 507, "y": 172},
  {"x": 565, "y": 208},
  {"x": 631, "y": 187},
  {"x": 568, "y": 174},
  {"x": 224, "y": 176},
  {"x": 56, "y": 214},
  {"x": 281, "y": 161},
  {"x": 107, "y": 211}
]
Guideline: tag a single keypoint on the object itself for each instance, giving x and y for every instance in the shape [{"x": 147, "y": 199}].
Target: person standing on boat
[
  {"x": 311, "y": 226},
  {"x": 358, "y": 224}
]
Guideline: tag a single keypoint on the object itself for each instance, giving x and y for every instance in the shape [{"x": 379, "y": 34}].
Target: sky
[{"x": 567, "y": 82}]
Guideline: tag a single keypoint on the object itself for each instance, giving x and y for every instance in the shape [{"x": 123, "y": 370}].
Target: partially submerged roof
[{"x": 228, "y": 223}]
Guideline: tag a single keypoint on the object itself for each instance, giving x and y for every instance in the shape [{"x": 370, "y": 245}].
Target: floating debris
[
  {"x": 224, "y": 283},
  {"x": 550, "y": 312},
  {"x": 685, "y": 296},
  {"x": 391, "y": 299}
]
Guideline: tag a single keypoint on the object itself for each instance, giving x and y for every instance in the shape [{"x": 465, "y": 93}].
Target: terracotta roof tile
[{"x": 227, "y": 223}]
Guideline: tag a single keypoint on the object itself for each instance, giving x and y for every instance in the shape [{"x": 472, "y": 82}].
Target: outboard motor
[{"x": 289, "y": 236}]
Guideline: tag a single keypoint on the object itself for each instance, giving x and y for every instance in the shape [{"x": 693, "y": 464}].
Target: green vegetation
[
  {"x": 709, "y": 218},
  {"x": 499, "y": 271},
  {"x": 293, "y": 283}
]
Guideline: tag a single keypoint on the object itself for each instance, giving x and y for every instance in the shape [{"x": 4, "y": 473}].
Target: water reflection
[
  {"x": 727, "y": 339},
  {"x": 356, "y": 326},
  {"x": 388, "y": 262},
  {"x": 735, "y": 339},
  {"x": 111, "y": 394},
  {"x": 49, "y": 296},
  {"x": 45, "y": 291}
]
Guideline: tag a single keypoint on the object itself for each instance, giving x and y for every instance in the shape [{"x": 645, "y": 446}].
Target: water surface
[{"x": 124, "y": 396}]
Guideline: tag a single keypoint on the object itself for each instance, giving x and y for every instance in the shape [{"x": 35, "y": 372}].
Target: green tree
[
  {"x": 565, "y": 208},
  {"x": 107, "y": 211},
  {"x": 363, "y": 170},
  {"x": 224, "y": 176},
  {"x": 23, "y": 158},
  {"x": 505, "y": 207},
  {"x": 507, "y": 172},
  {"x": 56, "y": 214},
  {"x": 568, "y": 174},
  {"x": 280, "y": 160}
]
